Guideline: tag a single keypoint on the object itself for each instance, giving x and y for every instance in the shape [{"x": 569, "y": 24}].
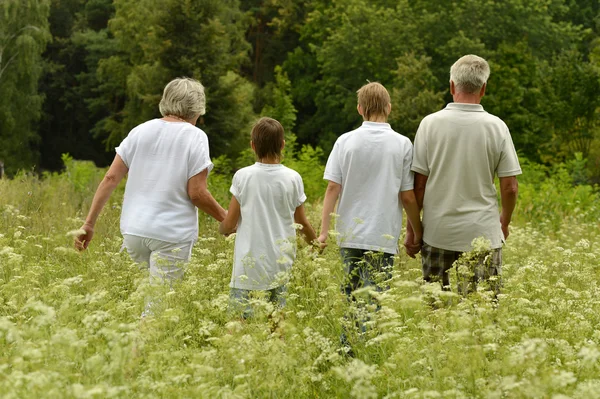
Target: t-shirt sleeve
[
  {"x": 419, "y": 161},
  {"x": 199, "y": 157},
  {"x": 125, "y": 150},
  {"x": 235, "y": 188},
  {"x": 333, "y": 169},
  {"x": 508, "y": 164},
  {"x": 407, "y": 174},
  {"x": 301, "y": 197}
]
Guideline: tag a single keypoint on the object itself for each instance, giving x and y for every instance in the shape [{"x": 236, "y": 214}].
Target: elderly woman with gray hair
[{"x": 168, "y": 162}]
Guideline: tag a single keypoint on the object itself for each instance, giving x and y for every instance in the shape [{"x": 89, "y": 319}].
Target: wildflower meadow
[{"x": 70, "y": 323}]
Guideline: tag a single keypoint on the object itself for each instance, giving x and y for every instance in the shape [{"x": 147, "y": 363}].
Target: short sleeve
[
  {"x": 333, "y": 169},
  {"x": 508, "y": 164},
  {"x": 199, "y": 157},
  {"x": 125, "y": 150},
  {"x": 419, "y": 161},
  {"x": 301, "y": 197},
  {"x": 407, "y": 175},
  {"x": 235, "y": 187}
]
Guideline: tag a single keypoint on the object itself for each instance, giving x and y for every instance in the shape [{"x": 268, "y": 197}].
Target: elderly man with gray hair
[
  {"x": 458, "y": 151},
  {"x": 167, "y": 161}
]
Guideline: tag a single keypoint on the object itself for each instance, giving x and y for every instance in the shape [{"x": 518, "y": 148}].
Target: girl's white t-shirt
[
  {"x": 265, "y": 243},
  {"x": 162, "y": 156}
]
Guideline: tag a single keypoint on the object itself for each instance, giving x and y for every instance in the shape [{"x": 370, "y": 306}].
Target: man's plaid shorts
[{"x": 437, "y": 263}]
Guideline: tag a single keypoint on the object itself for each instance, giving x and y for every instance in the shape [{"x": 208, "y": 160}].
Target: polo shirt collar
[
  {"x": 376, "y": 125},
  {"x": 465, "y": 107}
]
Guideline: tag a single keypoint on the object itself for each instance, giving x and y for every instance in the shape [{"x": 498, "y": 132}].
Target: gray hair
[
  {"x": 183, "y": 97},
  {"x": 469, "y": 73}
]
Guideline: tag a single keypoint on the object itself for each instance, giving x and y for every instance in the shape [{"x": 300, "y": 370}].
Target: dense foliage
[
  {"x": 70, "y": 322},
  {"x": 106, "y": 62}
]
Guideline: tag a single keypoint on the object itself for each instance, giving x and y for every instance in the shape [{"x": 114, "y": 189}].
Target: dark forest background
[{"x": 76, "y": 76}]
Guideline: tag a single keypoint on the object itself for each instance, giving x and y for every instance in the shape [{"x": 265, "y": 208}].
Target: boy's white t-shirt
[
  {"x": 372, "y": 163},
  {"x": 162, "y": 156},
  {"x": 265, "y": 243}
]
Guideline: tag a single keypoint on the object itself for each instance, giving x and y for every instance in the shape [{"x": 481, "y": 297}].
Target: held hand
[
  {"x": 322, "y": 238},
  {"x": 82, "y": 241},
  {"x": 412, "y": 244},
  {"x": 319, "y": 246}
]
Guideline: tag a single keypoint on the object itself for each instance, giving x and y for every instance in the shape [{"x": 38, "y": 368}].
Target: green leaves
[{"x": 23, "y": 37}]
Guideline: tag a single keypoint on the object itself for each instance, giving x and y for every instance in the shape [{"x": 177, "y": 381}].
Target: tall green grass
[{"x": 70, "y": 325}]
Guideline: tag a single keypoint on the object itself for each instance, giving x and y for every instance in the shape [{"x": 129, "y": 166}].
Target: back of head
[
  {"x": 267, "y": 137},
  {"x": 374, "y": 100},
  {"x": 184, "y": 98},
  {"x": 469, "y": 74}
]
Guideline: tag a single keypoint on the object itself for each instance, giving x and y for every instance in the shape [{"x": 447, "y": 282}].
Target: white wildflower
[{"x": 76, "y": 233}]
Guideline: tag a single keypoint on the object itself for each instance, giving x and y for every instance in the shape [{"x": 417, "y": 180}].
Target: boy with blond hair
[
  {"x": 369, "y": 171},
  {"x": 267, "y": 199}
]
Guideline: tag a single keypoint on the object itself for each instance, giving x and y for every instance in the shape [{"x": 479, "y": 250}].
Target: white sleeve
[
  {"x": 301, "y": 195},
  {"x": 407, "y": 175},
  {"x": 419, "y": 162},
  {"x": 199, "y": 157},
  {"x": 235, "y": 188},
  {"x": 125, "y": 150},
  {"x": 509, "y": 161},
  {"x": 333, "y": 169}
]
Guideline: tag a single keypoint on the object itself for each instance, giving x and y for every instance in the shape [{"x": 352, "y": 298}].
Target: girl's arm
[
  {"x": 229, "y": 224},
  {"x": 307, "y": 230}
]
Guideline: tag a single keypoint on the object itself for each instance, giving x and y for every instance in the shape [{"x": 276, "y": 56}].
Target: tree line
[{"x": 77, "y": 75}]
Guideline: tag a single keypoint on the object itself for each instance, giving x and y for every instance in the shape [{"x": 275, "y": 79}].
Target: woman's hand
[{"x": 82, "y": 241}]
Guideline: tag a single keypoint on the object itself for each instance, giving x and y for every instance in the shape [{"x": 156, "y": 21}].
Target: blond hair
[
  {"x": 469, "y": 74},
  {"x": 374, "y": 100},
  {"x": 183, "y": 97}
]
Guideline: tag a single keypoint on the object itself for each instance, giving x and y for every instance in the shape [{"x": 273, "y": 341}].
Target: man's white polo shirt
[{"x": 460, "y": 149}]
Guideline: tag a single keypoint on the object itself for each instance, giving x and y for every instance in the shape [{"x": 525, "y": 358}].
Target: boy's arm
[
  {"x": 413, "y": 211},
  {"x": 229, "y": 224},
  {"x": 307, "y": 230},
  {"x": 419, "y": 193},
  {"x": 331, "y": 196}
]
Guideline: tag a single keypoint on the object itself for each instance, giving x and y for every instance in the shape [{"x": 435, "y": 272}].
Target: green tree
[
  {"x": 345, "y": 45},
  {"x": 274, "y": 29},
  {"x": 80, "y": 41},
  {"x": 160, "y": 40},
  {"x": 414, "y": 94},
  {"x": 23, "y": 37},
  {"x": 571, "y": 106}
]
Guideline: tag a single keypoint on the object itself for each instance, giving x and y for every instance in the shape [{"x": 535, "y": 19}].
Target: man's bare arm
[{"x": 509, "y": 190}]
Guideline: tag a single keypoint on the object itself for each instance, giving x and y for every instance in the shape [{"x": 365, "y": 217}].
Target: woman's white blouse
[{"x": 162, "y": 156}]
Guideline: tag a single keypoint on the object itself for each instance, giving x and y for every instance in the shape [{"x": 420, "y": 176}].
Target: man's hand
[
  {"x": 412, "y": 244},
  {"x": 319, "y": 245},
  {"x": 82, "y": 241},
  {"x": 322, "y": 239}
]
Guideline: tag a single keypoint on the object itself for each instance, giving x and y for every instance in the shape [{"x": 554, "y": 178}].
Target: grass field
[{"x": 70, "y": 325}]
